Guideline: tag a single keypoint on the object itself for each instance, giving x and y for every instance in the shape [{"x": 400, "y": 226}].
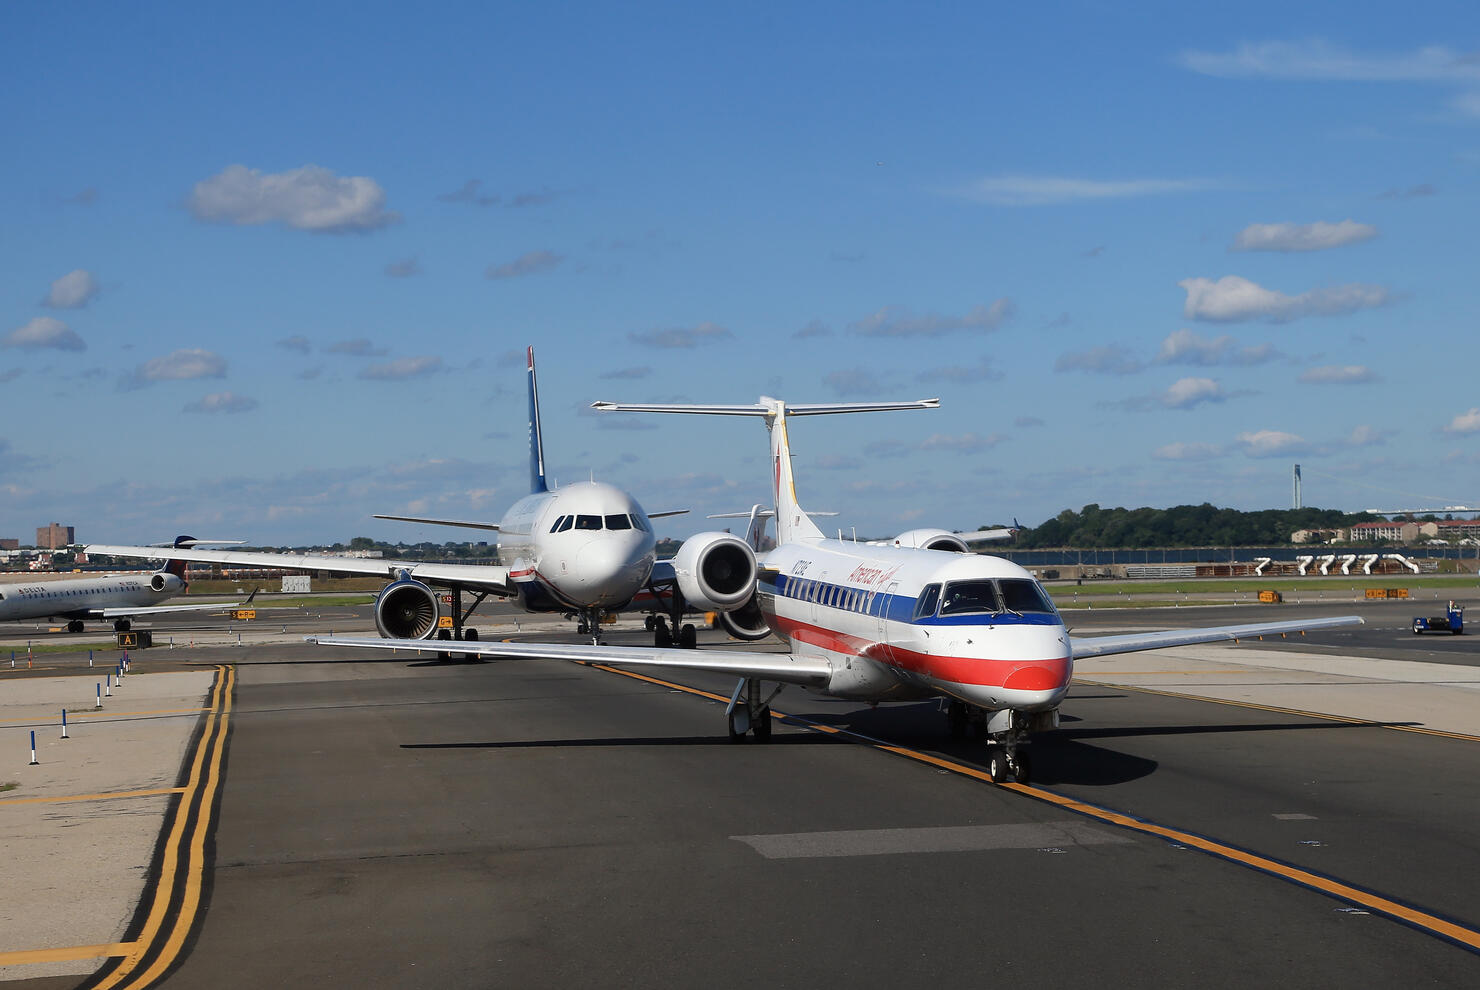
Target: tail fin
[
  {"x": 792, "y": 523},
  {"x": 177, "y": 566},
  {"x": 536, "y": 442}
]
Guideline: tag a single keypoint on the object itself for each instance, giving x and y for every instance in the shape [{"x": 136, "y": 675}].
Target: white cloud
[
  {"x": 1232, "y": 299},
  {"x": 1338, "y": 374},
  {"x": 1367, "y": 436},
  {"x": 815, "y": 328},
  {"x": 1196, "y": 451},
  {"x": 308, "y": 198},
  {"x": 1187, "y": 347},
  {"x": 1467, "y": 422},
  {"x": 1185, "y": 393},
  {"x": 1111, "y": 359},
  {"x": 1319, "y": 60},
  {"x": 42, "y": 332},
  {"x": 222, "y": 402},
  {"x": 1045, "y": 190},
  {"x": 1272, "y": 443},
  {"x": 402, "y": 368},
  {"x": 297, "y": 342},
  {"x": 896, "y": 321},
  {"x": 526, "y": 264},
  {"x": 683, "y": 338},
  {"x": 185, "y": 364},
  {"x": 73, "y": 290},
  {"x": 1316, "y": 236}
]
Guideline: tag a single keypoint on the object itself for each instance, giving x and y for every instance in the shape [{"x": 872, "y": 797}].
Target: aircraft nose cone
[{"x": 609, "y": 572}]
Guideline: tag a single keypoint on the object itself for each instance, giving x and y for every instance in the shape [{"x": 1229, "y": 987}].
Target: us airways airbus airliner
[
  {"x": 585, "y": 549},
  {"x": 119, "y": 597},
  {"x": 887, "y": 623}
]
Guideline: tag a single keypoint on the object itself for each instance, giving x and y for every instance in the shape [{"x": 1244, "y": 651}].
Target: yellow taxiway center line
[
  {"x": 94, "y": 797},
  {"x": 1327, "y": 885}
]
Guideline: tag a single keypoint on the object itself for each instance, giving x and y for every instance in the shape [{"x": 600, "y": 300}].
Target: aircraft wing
[
  {"x": 783, "y": 667},
  {"x": 487, "y": 577},
  {"x": 124, "y": 613},
  {"x": 1101, "y": 646},
  {"x": 984, "y": 536}
]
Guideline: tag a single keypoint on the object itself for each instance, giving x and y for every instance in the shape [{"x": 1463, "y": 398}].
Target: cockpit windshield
[
  {"x": 588, "y": 522},
  {"x": 619, "y": 520},
  {"x": 962, "y": 597},
  {"x": 1023, "y": 595}
]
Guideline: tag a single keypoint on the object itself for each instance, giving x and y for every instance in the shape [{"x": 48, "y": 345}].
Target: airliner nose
[{"x": 611, "y": 571}]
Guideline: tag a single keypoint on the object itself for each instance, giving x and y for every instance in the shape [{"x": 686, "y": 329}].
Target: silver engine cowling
[
  {"x": 406, "y": 609},
  {"x": 745, "y": 623},
  {"x": 930, "y": 539},
  {"x": 715, "y": 571},
  {"x": 157, "y": 582}
]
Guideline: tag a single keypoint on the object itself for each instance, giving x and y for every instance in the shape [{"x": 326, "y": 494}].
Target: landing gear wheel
[
  {"x": 761, "y": 725},
  {"x": 688, "y": 638},
  {"x": 647, "y": 622},
  {"x": 470, "y": 635},
  {"x": 122, "y": 625},
  {"x": 735, "y": 735},
  {"x": 581, "y": 628},
  {"x": 997, "y": 765},
  {"x": 1021, "y": 767},
  {"x": 444, "y": 634},
  {"x": 74, "y": 626},
  {"x": 662, "y": 639}
]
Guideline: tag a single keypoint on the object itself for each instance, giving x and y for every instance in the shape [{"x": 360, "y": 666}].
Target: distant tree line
[{"x": 1203, "y": 525}]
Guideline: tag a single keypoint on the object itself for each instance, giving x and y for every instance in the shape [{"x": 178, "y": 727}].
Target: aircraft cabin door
[{"x": 880, "y": 608}]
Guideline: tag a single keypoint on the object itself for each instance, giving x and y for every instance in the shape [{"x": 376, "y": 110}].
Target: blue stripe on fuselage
[{"x": 896, "y": 608}]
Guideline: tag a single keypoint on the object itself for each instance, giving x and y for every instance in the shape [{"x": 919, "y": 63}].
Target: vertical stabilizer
[
  {"x": 792, "y": 523},
  {"x": 536, "y": 442}
]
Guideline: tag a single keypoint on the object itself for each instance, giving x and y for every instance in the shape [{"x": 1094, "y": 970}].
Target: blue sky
[{"x": 271, "y": 269}]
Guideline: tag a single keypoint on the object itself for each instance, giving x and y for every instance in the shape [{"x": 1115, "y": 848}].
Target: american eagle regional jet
[
  {"x": 884, "y": 623},
  {"x": 586, "y": 550}
]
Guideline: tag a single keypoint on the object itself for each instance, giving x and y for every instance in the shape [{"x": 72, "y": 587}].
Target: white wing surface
[
  {"x": 783, "y": 667},
  {"x": 1101, "y": 646},
  {"x": 488, "y": 577}
]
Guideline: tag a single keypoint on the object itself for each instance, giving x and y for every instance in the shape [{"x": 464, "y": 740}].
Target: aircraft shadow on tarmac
[{"x": 788, "y": 739}]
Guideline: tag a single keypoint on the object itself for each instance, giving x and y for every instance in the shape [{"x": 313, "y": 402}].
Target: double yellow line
[{"x": 176, "y": 892}]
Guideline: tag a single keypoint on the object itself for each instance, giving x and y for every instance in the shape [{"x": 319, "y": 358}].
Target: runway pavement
[{"x": 405, "y": 822}]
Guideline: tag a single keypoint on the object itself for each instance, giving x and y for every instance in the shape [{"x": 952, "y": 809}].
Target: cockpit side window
[
  {"x": 639, "y": 521},
  {"x": 555, "y": 526},
  {"x": 1023, "y": 595},
  {"x": 925, "y": 604},
  {"x": 588, "y": 522},
  {"x": 619, "y": 520},
  {"x": 962, "y": 597},
  {"x": 563, "y": 523}
]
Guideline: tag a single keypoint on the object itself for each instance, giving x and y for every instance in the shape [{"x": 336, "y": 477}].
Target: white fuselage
[
  {"x": 587, "y": 545},
  {"x": 990, "y": 638},
  {"x": 81, "y": 598}
]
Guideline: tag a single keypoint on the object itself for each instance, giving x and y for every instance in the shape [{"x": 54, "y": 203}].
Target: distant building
[
  {"x": 7, "y": 543},
  {"x": 1318, "y": 536},
  {"x": 55, "y": 536},
  {"x": 1409, "y": 532}
]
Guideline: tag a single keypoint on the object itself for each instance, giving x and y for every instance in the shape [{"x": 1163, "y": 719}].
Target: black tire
[
  {"x": 997, "y": 765},
  {"x": 688, "y": 638},
  {"x": 122, "y": 625},
  {"x": 75, "y": 626},
  {"x": 470, "y": 635},
  {"x": 761, "y": 726},
  {"x": 647, "y": 622},
  {"x": 1023, "y": 769},
  {"x": 661, "y": 639}
]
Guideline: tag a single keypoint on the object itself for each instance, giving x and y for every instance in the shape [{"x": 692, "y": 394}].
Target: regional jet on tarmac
[
  {"x": 586, "y": 550},
  {"x": 120, "y": 597},
  {"x": 885, "y": 623}
]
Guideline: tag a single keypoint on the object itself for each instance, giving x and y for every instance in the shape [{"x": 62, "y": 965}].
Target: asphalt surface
[{"x": 407, "y": 822}]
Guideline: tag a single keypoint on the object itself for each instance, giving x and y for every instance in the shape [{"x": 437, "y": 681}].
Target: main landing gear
[
  {"x": 750, "y": 711},
  {"x": 683, "y": 634},
  {"x": 1007, "y": 733},
  {"x": 447, "y": 635},
  {"x": 74, "y": 626}
]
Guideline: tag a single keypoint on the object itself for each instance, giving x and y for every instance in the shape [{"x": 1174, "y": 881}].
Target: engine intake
[
  {"x": 715, "y": 571},
  {"x": 406, "y": 609},
  {"x": 157, "y": 582}
]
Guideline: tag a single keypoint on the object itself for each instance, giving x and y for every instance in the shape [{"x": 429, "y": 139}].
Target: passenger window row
[{"x": 833, "y": 596}]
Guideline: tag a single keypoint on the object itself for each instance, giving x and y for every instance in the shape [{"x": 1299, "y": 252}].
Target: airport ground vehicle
[{"x": 1452, "y": 621}]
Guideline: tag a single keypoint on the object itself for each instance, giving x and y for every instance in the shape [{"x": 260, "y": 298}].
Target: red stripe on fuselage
[{"x": 1017, "y": 675}]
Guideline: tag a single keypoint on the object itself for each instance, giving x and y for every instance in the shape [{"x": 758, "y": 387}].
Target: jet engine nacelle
[
  {"x": 930, "y": 539},
  {"x": 745, "y": 623},
  {"x": 715, "y": 571},
  {"x": 406, "y": 609},
  {"x": 157, "y": 582}
]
